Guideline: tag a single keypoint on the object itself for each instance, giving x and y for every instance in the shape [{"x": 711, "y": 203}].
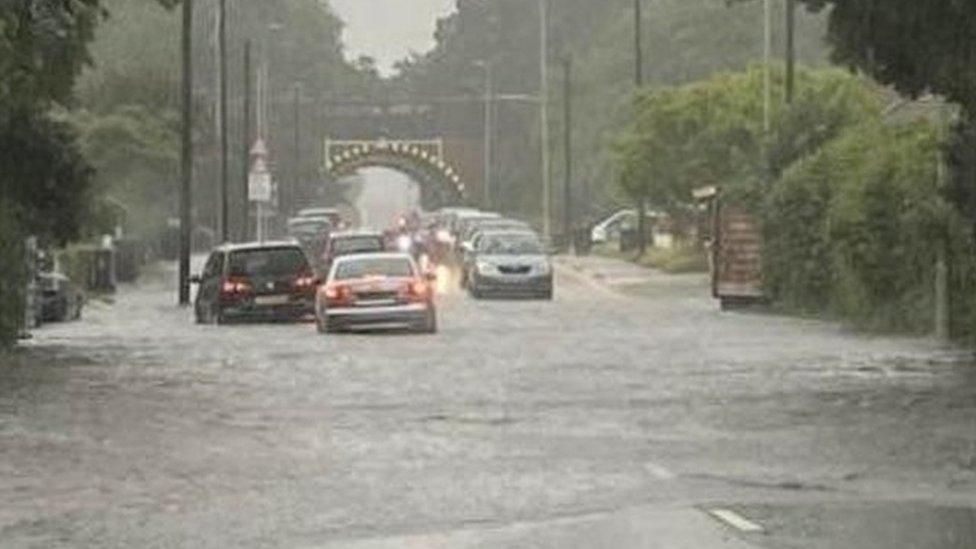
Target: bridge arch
[{"x": 423, "y": 160}]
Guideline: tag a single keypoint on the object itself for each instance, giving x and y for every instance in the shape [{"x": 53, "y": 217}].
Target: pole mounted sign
[{"x": 259, "y": 179}]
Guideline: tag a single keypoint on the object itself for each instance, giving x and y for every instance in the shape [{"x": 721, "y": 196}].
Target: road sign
[{"x": 259, "y": 182}]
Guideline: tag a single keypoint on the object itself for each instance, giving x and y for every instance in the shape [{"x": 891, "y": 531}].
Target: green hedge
[
  {"x": 12, "y": 277},
  {"x": 853, "y": 231}
]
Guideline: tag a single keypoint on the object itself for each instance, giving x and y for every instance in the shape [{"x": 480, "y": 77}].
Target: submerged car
[
  {"x": 509, "y": 264},
  {"x": 384, "y": 290},
  {"x": 263, "y": 281}
]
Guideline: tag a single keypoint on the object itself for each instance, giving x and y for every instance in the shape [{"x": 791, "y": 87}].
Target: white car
[
  {"x": 382, "y": 290},
  {"x": 611, "y": 227}
]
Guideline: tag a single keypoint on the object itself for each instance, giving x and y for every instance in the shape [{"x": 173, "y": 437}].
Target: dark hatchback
[{"x": 266, "y": 281}]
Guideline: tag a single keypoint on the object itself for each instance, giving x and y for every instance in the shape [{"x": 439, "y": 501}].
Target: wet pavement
[{"x": 623, "y": 414}]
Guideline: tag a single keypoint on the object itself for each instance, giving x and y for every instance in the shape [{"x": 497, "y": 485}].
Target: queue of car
[{"x": 354, "y": 279}]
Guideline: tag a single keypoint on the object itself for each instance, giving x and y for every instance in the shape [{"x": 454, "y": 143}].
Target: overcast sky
[{"x": 388, "y": 30}]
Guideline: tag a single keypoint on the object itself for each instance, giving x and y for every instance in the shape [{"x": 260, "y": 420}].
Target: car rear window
[
  {"x": 268, "y": 262},
  {"x": 387, "y": 266},
  {"x": 357, "y": 244},
  {"x": 312, "y": 227}
]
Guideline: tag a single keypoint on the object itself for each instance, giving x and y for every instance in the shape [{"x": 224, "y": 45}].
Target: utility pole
[
  {"x": 639, "y": 83},
  {"x": 222, "y": 62},
  {"x": 544, "y": 118},
  {"x": 767, "y": 54},
  {"x": 790, "y": 49},
  {"x": 638, "y": 45},
  {"x": 568, "y": 147},
  {"x": 489, "y": 131},
  {"x": 296, "y": 182},
  {"x": 247, "y": 138},
  {"x": 186, "y": 156}
]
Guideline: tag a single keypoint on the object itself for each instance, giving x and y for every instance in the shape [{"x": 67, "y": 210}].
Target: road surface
[{"x": 629, "y": 412}]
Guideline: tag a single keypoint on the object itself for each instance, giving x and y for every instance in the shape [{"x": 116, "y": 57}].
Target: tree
[
  {"x": 44, "y": 180},
  {"x": 917, "y": 47},
  {"x": 684, "y": 40},
  {"x": 711, "y": 133}
]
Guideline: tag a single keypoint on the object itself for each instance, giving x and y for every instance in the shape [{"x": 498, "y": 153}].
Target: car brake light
[
  {"x": 337, "y": 293},
  {"x": 304, "y": 282},
  {"x": 231, "y": 286},
  {"x": 419, "y": 290}
]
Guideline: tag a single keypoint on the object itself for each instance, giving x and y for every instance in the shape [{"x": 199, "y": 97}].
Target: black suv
[{"x": 270, "y": 281}]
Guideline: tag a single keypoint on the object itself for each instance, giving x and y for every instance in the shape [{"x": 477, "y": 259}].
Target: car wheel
[
  {"x": 331, "y": 327},
  {"x": 198, "y": 314},
  {"x": 474, "y": 292},
  {"x": 547, "y": 295},
  {"x": 321, "y": 322},
  {"x": 217, "y": 316},
  {"x": 430, "y": 325}
]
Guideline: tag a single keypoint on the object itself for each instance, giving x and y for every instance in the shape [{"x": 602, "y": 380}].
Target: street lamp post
[
  {"x": 222, "y": 114},
  {"x": 568, "y": 147},
  {"x": 246, "y": 144},
  {"x": 186, "y": 156},
  {"x": 289, "y": 204},
  {"x": 639, "y": 82},
  {"x": 489, "y": 131},
  {"x": 790, "y": 49},
  {"x": 767, "y": 54},
  {"x": 544, "y": 117}
]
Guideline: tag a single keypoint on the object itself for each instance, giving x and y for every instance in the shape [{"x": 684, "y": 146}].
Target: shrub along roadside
[
  {"x": 854, "y": 230},
  {"x": 682, "y": 259},
  {"x": 12, "y": 277}
]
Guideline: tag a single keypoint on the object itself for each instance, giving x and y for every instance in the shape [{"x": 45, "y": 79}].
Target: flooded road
[{"x": 629, "y": 412}]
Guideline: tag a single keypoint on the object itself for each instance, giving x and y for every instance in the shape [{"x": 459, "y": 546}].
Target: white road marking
[
  {"x": 660, "y": 472},
  {"x": 735, "y": 520}
]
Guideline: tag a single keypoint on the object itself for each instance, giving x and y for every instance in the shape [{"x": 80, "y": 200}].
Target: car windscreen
[
  {"x": 394, "y": 267},
  {"x": 267, "y": 262},
  {"x": 357, "y": 244},
  {"x": 510, "y": 244}
]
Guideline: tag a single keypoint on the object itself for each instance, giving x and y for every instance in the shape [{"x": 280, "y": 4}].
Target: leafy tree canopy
[
  {"x": 711, "y": 132},
  {"x": 916, "y": 46}
]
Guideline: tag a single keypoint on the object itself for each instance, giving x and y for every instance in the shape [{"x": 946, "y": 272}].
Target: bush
[
  {"x": 854, "y": 231},
  {"x": 12, "y": 277},
  {"x": 681, "y": 259}
]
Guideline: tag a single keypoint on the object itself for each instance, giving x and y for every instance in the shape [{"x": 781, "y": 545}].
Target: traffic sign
[{"x": 259, "y": 182}]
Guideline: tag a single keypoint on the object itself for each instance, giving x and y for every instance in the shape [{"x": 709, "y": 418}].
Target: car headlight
[
  {"x": 543, "y": 268},
  {"x": 485, "y": 267},
  {"x": 404, "y": 243}
]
